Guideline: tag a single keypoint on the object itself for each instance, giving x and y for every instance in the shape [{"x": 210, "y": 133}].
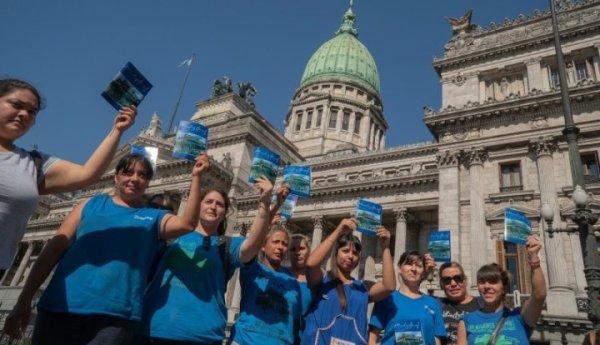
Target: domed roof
[{"x": 344, "y": 58}]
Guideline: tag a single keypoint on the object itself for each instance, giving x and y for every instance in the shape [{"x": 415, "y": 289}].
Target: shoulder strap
[
  {"x": 223, "y": 245},
  {"x": 37, "y": 161},
  {"x": 494, "y": 335}
]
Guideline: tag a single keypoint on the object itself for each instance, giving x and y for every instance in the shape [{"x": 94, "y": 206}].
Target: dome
[{"x": 343, "y": 58}]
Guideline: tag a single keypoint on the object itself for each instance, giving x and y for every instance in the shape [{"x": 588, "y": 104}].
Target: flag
[{"x": 187, "y": 62}]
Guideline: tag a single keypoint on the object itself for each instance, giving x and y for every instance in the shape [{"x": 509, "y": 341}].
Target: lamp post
[{"x": 583, "y": 217}]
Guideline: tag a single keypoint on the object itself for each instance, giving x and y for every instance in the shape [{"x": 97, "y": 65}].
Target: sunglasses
[{"x": 459, "y": 279}]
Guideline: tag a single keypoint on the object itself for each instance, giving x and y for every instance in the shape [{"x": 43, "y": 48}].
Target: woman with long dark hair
[
  {"x": 104, "y": 250},
  {"x": 339, "y": 314}
]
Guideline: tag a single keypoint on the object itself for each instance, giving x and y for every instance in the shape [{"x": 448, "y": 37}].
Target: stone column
[
  {"x": 317, "y": 235},
  {"x": 596, "y": 61},
  {"x": 185, "y": 194},
  {"x": 561, "y": 298},
  {"x": 22, "y": 265},
  {"x": 376, "y": 143},
  {"x": 369, "y": 250},
  {"x": 534, "y": 74},
  {"x": 364, "y": 130},
  {"x": 479, "y": 235},
  {"x": 449, "y": 198},
  {"x": 401, "y": 233},
  {"x": 382, "y": 141},
  {"x": 371, "y": 135}
]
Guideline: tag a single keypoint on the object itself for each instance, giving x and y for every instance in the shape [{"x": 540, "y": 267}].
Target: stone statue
[
  {"x": 221, "y": 87},
  {"x": 461, "y": 25},
  {"x": 247, "y": 91}
]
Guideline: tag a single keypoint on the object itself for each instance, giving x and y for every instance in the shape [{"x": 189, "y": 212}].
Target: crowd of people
[{"x": 131, "y": 270}]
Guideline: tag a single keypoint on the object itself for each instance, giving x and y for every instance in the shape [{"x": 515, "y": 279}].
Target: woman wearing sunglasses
[
  {"x": 495, "y": 323},
  {"x": 408, "y": 316}
]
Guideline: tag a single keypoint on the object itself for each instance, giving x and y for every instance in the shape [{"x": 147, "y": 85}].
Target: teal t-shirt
[
  {"x": 270, "y": 304},
  {"x": 480, "y": 327},
  {"x": 185, "y": 301},
  {"x": 408, "y": 320},
  {"x": 105, "y": 269}
]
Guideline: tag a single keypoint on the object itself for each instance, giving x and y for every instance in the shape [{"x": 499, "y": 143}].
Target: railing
[
  {"x": 506, "y": 189},
  {"x": 591, "y": 179}
]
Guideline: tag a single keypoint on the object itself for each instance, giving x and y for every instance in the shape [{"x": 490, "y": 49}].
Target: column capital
[
  {"x": 318, "y": 221},
  {"x": 543, "y": 146},
  {"x": 401, "y": 214},
  {"x": 533, "y": 61},
  {"x": 185, "y": 193},
  {"x": 446, "y": 159},
  {"x": 476, "y": 156}
]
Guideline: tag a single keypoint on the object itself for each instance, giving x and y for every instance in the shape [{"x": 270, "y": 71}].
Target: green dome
[{"x": 344, "y": 58}]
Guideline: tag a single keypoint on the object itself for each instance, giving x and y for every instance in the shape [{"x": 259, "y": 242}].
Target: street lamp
[{"x": 583, "y": 217}]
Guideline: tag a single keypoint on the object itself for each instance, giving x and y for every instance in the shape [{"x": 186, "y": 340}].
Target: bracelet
[{"x": 535, "y": 264}]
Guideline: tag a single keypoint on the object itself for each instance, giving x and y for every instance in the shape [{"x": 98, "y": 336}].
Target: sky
[{"x": 71, "y": 49}]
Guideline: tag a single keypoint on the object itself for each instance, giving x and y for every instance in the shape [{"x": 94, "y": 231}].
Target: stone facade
[{"x": 497, "y": 144}]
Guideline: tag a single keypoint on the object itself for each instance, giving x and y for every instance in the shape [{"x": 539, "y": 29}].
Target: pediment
[
  {"x": 569, "y": 209},
  {"x": 497, "y": 214}
]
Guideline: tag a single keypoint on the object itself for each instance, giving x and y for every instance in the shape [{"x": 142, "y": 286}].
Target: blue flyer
[
  {"x": 298, "y": 178},
  {"x": 368, "y": 216},
  {"x": 151, "y": 153},
  {"x": 128, "y": 87},
  {"x": 265, "y": 163},
  {"x": 190, "y": 140},
  {"x": 439, "y": 245},
  {"x": 517, "y": 226}
]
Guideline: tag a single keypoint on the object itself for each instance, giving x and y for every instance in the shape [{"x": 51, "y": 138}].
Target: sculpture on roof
[
  {"x": 461, "y": 25},
  {"x": 247, "y": 91},
  {"x": 221, "y": 87}
]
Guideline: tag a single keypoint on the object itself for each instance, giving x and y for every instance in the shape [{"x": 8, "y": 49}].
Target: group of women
[{"x": 104, "y": 289}]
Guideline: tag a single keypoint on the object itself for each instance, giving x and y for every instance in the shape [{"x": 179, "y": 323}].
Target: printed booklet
[
  {"x": 439, "y": 245},
  {"x": 517, "y": 226},
  {"x": 297, "y": 177},
  {"x": 286, "y": 211},
  {"x": 128, "y": 87},
  {"x": 264, "y": 163},
  {"x": 190, "y": 140},
  {"x": 151, "y": 153},
  {"x": 368, "y": 216}
]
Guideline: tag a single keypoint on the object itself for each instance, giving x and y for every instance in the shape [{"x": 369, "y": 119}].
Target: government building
[{"x": 496, "y": 142}]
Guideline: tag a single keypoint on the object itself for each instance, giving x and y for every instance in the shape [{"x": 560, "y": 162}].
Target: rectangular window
[
  {"x": 554, "y": 81},
  {"x": 298, "y": 122},
  {"x": 510, "y": 177},
  {"x": 513, "y": 258},
  {"x": 581, "y": 70},
  {"x": 308, "y": 119},
  {"x": 346, "y": 121},
  {"x": 319, "y": 117},
  {"x": 590, "y": 167},
  {"x": 357, "y": 123},
  {"x": 333, "y": 118}
]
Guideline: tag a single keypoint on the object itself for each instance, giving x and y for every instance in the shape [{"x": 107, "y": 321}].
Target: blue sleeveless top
[
  {"x": 326, "y": 323},
  {"x": 105, "y": 269}
]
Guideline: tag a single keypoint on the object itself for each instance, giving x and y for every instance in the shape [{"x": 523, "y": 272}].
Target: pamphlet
[
  {"x": 297, "y": 177},
  {"x": 190, "y": 140},
  {"x": 286, "y": 210},
  {"x": 128, "y": 87},
  {"x": 439, "y": 245},
  {"x": 517, "y": 226},
  {"x": 264, "y": 163},
  {"x": 368, "y": 216},
  {"x": 150, "y": 152}
]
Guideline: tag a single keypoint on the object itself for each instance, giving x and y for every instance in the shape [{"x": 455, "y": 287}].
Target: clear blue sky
[{"x": 71, "y": 49}]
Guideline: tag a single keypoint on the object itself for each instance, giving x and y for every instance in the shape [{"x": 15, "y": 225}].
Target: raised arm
[
  {"x": 282, "y": 193},
  {"x": 18, "y": 319},
  {"x": 314, "y": 274},
  {"x": 532, "y": 308},
  {"x": 380, "y": 290},
  {"x": 173, "y": 226},
  {"x": 250, "y": 247},
  {"x": 65, "y": 176}
]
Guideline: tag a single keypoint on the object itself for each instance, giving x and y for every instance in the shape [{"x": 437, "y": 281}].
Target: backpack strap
[
  {"x": 223, "y": 245},
  {"x": 37, "y": 161}
]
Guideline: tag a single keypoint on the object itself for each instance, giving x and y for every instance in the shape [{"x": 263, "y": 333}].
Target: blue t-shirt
[
  {"x": 480, "y": 326},
  {"x": 270, "y": 304},
  {"x": 306, "y": 296},
  {"x": 408, "y": 320},
  {"x": 327, "y": 323},
  {"x": 185, "y": 301},
  {"x": 105, "y": 269}
]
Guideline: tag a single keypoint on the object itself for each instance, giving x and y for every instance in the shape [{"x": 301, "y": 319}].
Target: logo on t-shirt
[{"x": 408, "y": 333}]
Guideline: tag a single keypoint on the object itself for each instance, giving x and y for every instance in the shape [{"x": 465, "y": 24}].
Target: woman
[
  {"x": 104, "y": 250},
  {"x": 300, "y": 251},
  {"x": 339, "y": 314},
  {"x": 408, "y": 315},
  {"x": 513, "y": 326},
  {"x": 185, "y": 303},
  {"x": 270, "y": 296},
  {"x": 24, "y": 175}
]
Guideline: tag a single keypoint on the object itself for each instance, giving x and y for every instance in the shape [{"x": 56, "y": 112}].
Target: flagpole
[{"x": 187, "y": 74}]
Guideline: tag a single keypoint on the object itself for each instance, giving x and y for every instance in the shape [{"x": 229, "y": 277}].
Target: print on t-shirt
[{"x": 408, "y": 333}]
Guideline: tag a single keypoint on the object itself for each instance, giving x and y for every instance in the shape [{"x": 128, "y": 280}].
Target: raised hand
[
  {"x": 202, "y": 164},
  {"x": 533, "y": 246},
  {"x": 347, "y": 225},
  {"x": 266, "y": 188},
  {"x": 125, "y": 118},
  {"x": 384, "y": 236},
  {"x": 429, "y": 263},
  {"x": 282, "y": 193}
]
